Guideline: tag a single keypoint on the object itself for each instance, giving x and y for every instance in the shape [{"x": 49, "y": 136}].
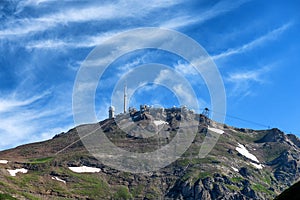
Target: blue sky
[{"x": 255, "y": 45}]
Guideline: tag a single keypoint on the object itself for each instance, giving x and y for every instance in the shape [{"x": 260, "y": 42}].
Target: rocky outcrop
[
  {"x": 273, "y": 135},
  {"x": 294, "y": 139},
  {"x": 213, "y": 188},
  {"x": 287, "y": 169}
]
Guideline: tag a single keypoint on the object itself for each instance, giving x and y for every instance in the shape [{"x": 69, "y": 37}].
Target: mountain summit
[{"x": 244, "y": 164}]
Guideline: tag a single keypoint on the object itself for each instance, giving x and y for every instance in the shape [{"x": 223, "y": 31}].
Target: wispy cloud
[
  {"x": 185, "y": 68},
  {"x": 218, "y": 9},
  {"x": 272, "y": 35},
  {"x": 254, "y": 75},
  {"x": 49, "y": 44},
  {"x": 109, "y": 11},
  {"x": 178, "y": 22},
  {"x": 26, "y": 120},
  {"x": 33, "y": 3},
  {"x": 73, "y": 42},
  {"x": 242, "y": 81},
  {"x": 180, "y": 86},
  {"x": 30, "y": 3},
  {"x": 11, "y": 103}
]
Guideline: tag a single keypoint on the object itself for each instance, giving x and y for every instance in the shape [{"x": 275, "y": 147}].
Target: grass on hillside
[
  {"x": 6, "y": 197},
  {"x": 40, "y": 160}
]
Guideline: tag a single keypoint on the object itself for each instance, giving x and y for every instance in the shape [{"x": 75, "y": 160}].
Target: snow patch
[
  {"x": 235, "y": 169},
  {"x": 58, "y": 179},
  {"x": 159, "y": 122},
  {"x": 3, "y": 161},
  {"x": 85, "y": 169},
  {"x": 242, "y": 150},
  {"x": 258, "y": 166},
  {"x": 14, "y": 172},
  {"x": 219, "y": 131}
]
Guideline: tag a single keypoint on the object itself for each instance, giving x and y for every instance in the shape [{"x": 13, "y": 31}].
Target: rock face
[
  {"x": 224, "y": 174},
  {"x": 212, "y": 188},
  {"x": 295, "y": 140},
  {"x": 273, "y": 135}
]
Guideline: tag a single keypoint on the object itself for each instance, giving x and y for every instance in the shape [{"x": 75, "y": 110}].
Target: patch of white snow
[
  {"x": 58, "y": 179},
  {"x": 3, "y": 161},
  {"x": 159, "y": 122},
  {"x": 219, "y": 131},
  {"x": 235, "y": 169},
  {"x": 85, "y": 169},
  {"x": 14, "y": 172},
  {"x": 258, "y": 166},
  {"x": 242, "y": 150}
]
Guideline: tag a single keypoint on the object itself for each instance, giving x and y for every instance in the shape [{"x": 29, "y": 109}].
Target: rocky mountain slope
[{"x": 244, "y": 164}]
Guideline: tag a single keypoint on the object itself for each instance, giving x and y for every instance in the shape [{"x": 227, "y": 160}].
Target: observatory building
[{"x": 111, "y": 112}]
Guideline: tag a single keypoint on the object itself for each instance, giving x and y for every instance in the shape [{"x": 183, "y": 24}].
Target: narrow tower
[
  {"x": 125, "y": 97},
  {"x": 206, "y": 112},
  {"x": 111, "y": 112}
]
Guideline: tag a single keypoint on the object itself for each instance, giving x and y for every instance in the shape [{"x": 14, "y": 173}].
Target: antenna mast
[
  {"x": 206, "y": 112},
  {"x": 125, "y": 97}
]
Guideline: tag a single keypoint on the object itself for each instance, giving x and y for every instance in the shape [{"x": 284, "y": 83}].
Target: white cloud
[
  {"x": 125, "y": 68},
  {"x": 25, "y": 120},
  {"x": 83, "y": 42},
  {"x": 185, "y": 69},
  {"x": 218, "y": 9},
  {"x": 27, "y": 26},
  {"x": 180, "y": 86},
  {"x": 182, "y": 92},
  {"x": 48, "y": 44},
  {"x": 86, "y": 86},
  {"x": 30, "y": 3},
  {"x": 245, "y": 76},
  {"x": 272, "y": 35},
  {"x": 178, "y": 22},
  {"x": 114, "y": 11},
  {"x": 164, "y": 76},
  {"x": 33, "y": 3},
  {"x": 103, "y": 12},
  {"x": 125, "y": 41},
  {"x": 250, "y": 75},
  {"x": 9, "y": 104},
  {"x": 243, "y": 80}
]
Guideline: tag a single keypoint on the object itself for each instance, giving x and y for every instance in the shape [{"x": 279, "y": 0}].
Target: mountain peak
[
  {"x": 273, "y": 135},
  {"x": 244, "y": 164}
]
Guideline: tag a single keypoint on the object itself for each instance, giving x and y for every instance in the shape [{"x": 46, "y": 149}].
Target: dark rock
[
  {"x": 273, "y": 135},
  {"x": 230, "y": 151},
  {"x": 247, "y": 191},
  {"x": 207, "y": 183},
  {"x": 244, "y": 172},
  {"x": 217, "y": 192},
  {"x": 187, "y": 190},
  {"x": 294, "y": 139}
]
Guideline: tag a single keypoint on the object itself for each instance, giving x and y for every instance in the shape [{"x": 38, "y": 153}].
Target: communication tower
[
  {"x": 206, "y": 112},
  {"x": 125, "y": 97}
]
